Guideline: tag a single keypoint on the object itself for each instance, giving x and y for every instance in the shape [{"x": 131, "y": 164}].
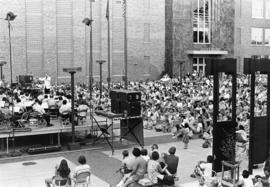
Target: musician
[{"x": 47, "y": 83}]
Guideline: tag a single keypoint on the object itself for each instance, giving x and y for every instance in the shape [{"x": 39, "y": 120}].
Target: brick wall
[{"x": 48, "y": 35}]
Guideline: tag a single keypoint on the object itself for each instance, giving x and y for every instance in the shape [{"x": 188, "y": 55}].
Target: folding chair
[{"x": 82, "y": 179}]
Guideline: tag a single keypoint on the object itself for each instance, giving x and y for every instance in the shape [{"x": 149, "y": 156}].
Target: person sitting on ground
[
  {"x": 62, "y": 174},
  {"x": 245, "y": 180},
  {"x": 258, "y": 181},
  {"x": 145, "y": 155},
  {"x": 241, "y": 134},
  {"x": 266, "y": 167},
  {"x": 126, "y": 167},
  {"x": 139, "y": 168},
  {"x": 155, "y": 171},
  {"x": 83, "y": 167},
  {"x": 203, "y": 168},
  {"x": 171, "y": 161}
]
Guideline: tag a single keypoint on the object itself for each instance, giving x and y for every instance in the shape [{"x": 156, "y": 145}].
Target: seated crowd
[{"x": 158, "y": 168}]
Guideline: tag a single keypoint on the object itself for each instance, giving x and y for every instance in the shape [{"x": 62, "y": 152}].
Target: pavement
[{"x": 104, "y": 164}]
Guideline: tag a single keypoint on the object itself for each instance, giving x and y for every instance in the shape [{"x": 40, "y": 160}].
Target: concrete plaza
[{"x": 103, "y": 164}]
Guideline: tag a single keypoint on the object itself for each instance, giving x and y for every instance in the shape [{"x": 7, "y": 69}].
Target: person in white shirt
[
  {"x": 40, "y": 109},
  {"x": 83, "y": 167},
  {"x": 245, "y": 180}
]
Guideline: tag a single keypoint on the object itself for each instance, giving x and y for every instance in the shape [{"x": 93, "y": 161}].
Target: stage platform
[
  {"x": 57, "y": 128},
  {"x": 19, "y": 175}
]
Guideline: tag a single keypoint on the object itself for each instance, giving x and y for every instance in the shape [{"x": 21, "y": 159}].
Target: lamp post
[
  {"x": 125, "y": 42},
  {"x": 100, "y": 62},
  {"x": 88, "y": 22},
  {"x": 72, "y": 72},
  {"x": 11, "y": 17}
]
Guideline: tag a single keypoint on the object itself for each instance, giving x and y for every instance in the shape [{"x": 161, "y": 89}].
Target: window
[
  {"x": 238, "y": 34},
  {"x": 267, "y": 10},
  {"x": 147, "y": 32},
  {"x": 257, "y": 8},
  {"x": 267, "y": 37},
  {"x": 199, "y": 65},
  {"x": 147, "y": 66},
  {"x": 256, "y": 36},
  {"x": 147, "y": 4},
  {"x": 201, "y": 22}
]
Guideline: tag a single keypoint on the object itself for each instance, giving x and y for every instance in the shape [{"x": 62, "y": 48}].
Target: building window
[
  {"x": 201, "y": 22},
  {"x": 147, "y": 66},
  {"x": 256, "y": 36},
  {"x": 199, "y": 65},
  {"x": 267, "y": 10},
  {"x": 267, "y": 37},
  {"x": 147, "y": 32},
  {"x": 257, "y": 8},
  {"x": 147, "y": 4}
]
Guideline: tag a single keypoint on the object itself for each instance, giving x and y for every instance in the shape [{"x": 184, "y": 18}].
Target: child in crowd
[
  {"x": 185, "y": 135},
  {"x": 258, "y": 181}
]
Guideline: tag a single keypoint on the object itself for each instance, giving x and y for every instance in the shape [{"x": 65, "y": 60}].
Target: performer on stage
[{"x": 47, "y": 83}]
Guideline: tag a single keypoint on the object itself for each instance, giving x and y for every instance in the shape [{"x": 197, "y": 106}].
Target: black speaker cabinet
[
  {"x": 130, "y": 96},
  {"x": 132, "y": 130},
  {"x": 25, "y": 79},
  {"x": 132, "y": 108},
  {"x": 115, "y": 106},
  {"x": 114, "y": 94}
]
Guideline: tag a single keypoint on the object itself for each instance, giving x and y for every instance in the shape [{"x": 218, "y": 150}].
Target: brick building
[
  {"x": 48, "y": 35},
  {"x": 252, "y": 30},
  {"x": 196, "y": 30}
]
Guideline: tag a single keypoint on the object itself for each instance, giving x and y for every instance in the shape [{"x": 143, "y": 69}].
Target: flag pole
[{"x": 109, "y": 45}]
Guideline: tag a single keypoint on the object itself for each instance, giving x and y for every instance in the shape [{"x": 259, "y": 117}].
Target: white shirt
[{"x": 81, "y": 168}]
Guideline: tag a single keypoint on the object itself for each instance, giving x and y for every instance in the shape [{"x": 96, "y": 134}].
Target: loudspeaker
[
  {"x": 25, "y": 80},
  {"x": 114, "y": 94},
  {"x": 115, "y": 106},
  {"x": 130, "y": 96},
  {"x": 132, "y": 108},
  {"x": 132, "y": 130}
]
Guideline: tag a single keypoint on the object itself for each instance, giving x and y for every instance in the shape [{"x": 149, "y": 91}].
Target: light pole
[
  {"x": 125, "y": 42},
  {"x": 11, "y": 17},
  {"x": 88, "y": 22},
  {"x": 100, "y": 62}
]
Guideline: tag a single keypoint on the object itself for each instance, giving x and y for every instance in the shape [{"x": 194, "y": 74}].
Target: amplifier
[
  {"x": 125, "y": 95},
  {"x": 130, "y": 96},
  {"x": 44, "y": 149}
]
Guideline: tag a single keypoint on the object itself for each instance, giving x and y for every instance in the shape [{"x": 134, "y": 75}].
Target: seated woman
[
  {"x": 62, "y": 174},
  {"x": 204, "y": 169},
  {"x": 155, "y": 171}
]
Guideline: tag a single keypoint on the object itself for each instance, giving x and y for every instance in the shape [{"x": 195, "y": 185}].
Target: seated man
[
  {"x": 171, "y": 161},
  {"x": 65, "y": 110},
  {"x": 40, "y": 109}
]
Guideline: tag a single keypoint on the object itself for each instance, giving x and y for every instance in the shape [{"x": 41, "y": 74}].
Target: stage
[
  {"x": 57, "y": 128},
  {"x": 19, "y": 174}
]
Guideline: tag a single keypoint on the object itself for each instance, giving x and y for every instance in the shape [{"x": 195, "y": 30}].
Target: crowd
[
  {"x": 182, "y": 107},
  {"x": 157, "y": 167}
]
